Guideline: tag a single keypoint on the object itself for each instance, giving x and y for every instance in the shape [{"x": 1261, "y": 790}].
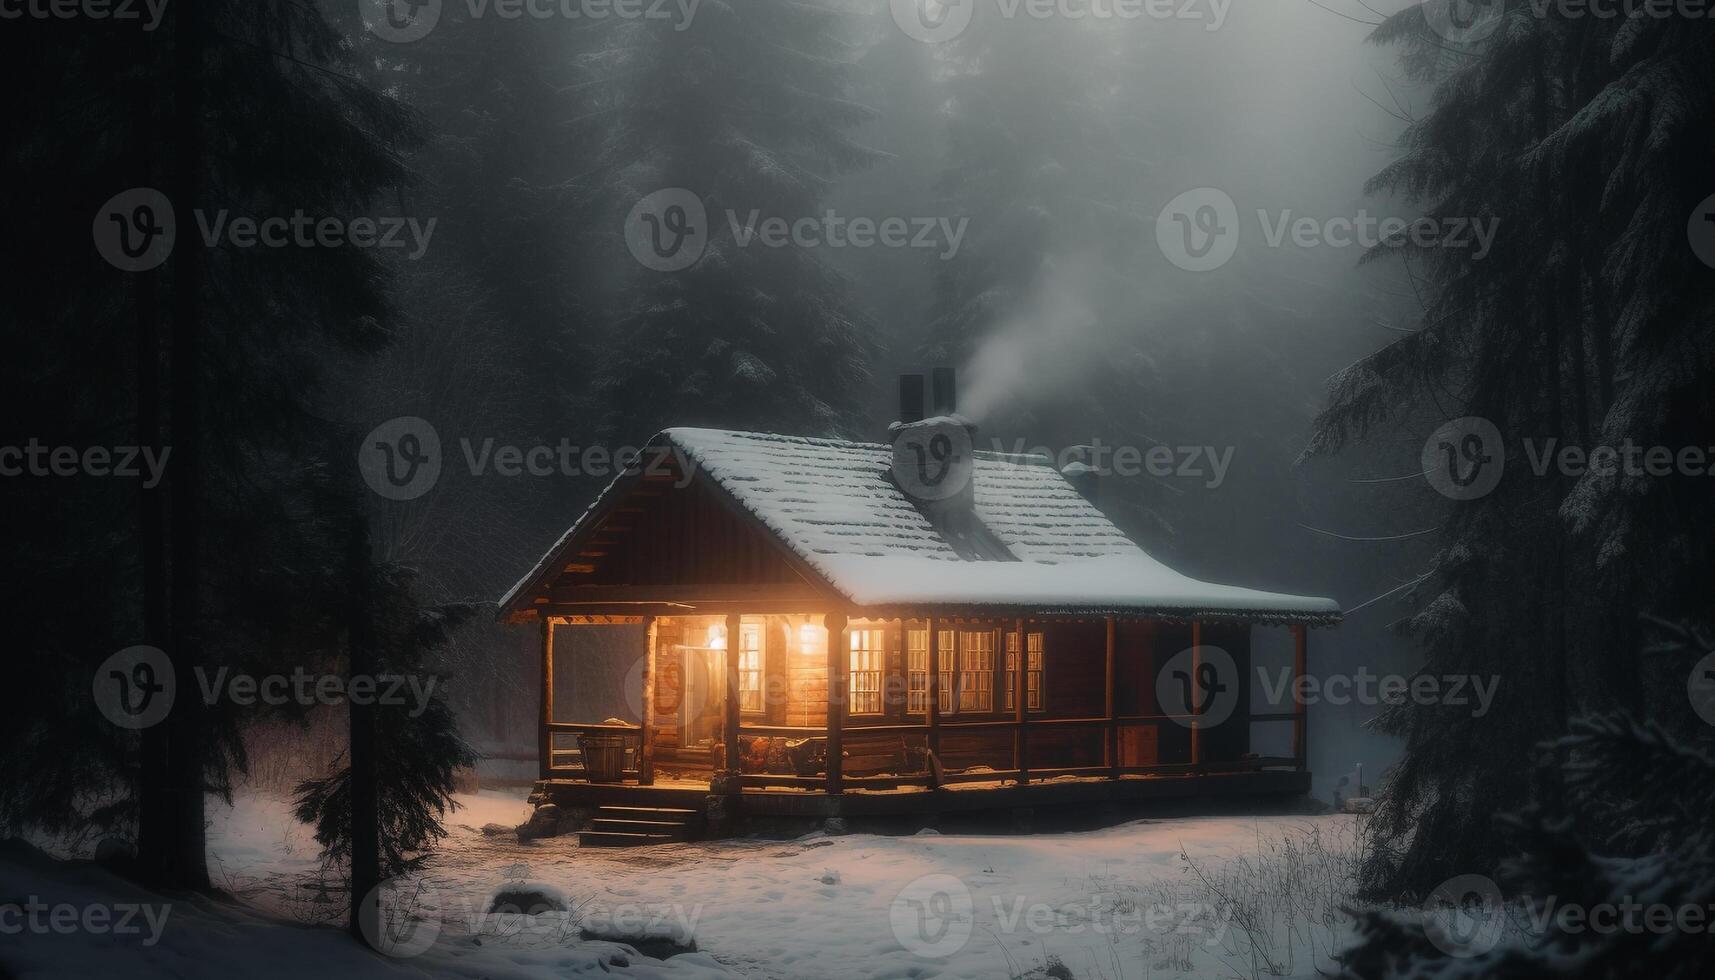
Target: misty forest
[{"x": 1016, "y": 489}]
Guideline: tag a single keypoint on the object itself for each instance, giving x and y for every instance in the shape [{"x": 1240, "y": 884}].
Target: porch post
[
  {"x": 646, "y": 754},
  {"x": 1300, "y": 711},
  {"x": 1021, "y": 705},
  {"x": 1111, "y": 733},
  {"x": 1196, "y": 678},
  {"x": 545, "y": 700},
  {"x": 733, "y": 642},
  {"x": 932, "y": 710},
  {"x": 839, "y": 660}
]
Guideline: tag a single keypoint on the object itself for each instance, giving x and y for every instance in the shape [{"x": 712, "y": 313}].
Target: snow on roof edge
[{"x": 1080, "y": 585}]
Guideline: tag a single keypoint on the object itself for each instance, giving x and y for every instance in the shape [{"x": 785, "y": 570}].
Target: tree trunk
[
  {"x": 154, "y": 797},
  {"x": 185, "y": 863},
  {"x": 365, "y": 919}
]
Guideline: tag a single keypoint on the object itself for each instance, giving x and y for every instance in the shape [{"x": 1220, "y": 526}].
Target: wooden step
[
  {"x": 640, "y": 826},
  {"x": 661, "y": 814},
  {"x": 601, "y": 838}
]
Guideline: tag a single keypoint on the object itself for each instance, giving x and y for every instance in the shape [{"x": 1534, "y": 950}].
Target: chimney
[
  {"x": 934, "y": 465},
  {"x": 910, "y": 398},
  {"x": 944, "y": 385}
]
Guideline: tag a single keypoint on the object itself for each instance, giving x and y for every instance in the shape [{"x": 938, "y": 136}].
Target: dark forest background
[{"x": 527, "y": 321}]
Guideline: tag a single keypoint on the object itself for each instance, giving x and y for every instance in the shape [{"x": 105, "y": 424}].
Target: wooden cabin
[{"x": 787, "y": 625}]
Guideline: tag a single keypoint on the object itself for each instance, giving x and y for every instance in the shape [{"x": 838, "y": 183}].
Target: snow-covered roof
[{"x": 834, "y": 505}]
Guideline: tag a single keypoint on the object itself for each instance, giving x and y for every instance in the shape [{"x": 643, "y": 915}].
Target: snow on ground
[{"x": 1180, "y": 897}]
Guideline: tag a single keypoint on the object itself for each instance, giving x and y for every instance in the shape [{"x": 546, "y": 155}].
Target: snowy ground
[{"x": 1182, "y": 897}]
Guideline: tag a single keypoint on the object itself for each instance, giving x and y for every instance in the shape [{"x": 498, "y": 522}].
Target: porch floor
[{"x": 1066, "y": 791}]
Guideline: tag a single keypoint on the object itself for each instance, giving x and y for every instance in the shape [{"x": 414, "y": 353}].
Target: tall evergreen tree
[
  {"x": 235, "y": 110},
  {"x": 1588, "y": 324},
  {"x": 748, "y": 108}
]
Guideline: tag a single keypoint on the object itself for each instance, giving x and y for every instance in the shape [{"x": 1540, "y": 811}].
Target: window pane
[
  {"x": 867, "y": 653},
  {"x": 917, "y": 671}
]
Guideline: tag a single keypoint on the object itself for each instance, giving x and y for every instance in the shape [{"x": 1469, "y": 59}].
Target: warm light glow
[
  {"x": 717, "y": 638},
  {"x": 809, "y": 638}
]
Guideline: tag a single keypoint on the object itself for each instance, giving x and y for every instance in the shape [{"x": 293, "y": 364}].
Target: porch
[{"x": 915, "y": 725}]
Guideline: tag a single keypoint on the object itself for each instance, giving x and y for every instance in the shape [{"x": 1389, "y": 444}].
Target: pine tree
[
  {"x": 251, "y": 109},
  {"x": 749, "y": 109},
  {"x": 1586, "y": 139},
  {"x": 1622, "y": 820}
]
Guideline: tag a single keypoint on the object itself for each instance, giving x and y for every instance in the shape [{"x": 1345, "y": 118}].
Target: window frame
[
  {"x": 743, "y": 650},
  {"x": 875, "y": 648},
  {"x": 1035, "y": 670}
]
